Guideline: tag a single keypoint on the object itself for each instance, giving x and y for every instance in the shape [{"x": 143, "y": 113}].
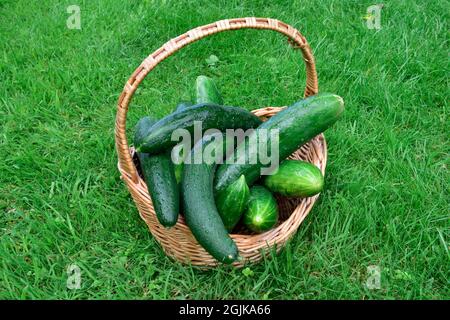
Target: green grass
[{"x": 387, "y": 183}]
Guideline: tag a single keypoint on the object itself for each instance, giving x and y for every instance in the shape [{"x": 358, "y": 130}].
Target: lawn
[{"x": 63, "y": 205}]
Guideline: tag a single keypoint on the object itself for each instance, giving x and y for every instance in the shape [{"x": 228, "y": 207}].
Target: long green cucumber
[
  {"x": 162, "y": 186},
  {"x": 210, "y": 116},
  {"x": 296, "y": 125},
  {"x": 160, "y": 178},
  {"x": 200, "y": 209}
]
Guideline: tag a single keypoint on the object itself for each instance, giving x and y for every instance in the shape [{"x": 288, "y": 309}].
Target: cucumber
[
  {"x": 160, "y": 178},
  {"x": 162, "y": 186},
  {"x": 297, "y": 124},
  {"x": 177, "y": 160},
  {"x": 177, "y": 151},
  {"x": 142, "y": 129},
  {"x": 200, "y": 209},
  {"x": 295, "y": 178},
  {"x": 262, "y": 210},
  {"x": 206, "y": 91},
  {"x": 232, "y": 202},
  {"x": 210, "y": 115}
]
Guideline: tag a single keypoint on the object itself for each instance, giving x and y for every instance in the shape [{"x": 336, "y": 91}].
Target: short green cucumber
[
  {"x": 206, "y": 91},
  {"x": 262, "y": 210},
  {"x": 295, "y": 178},
  {"x": 296, "y": 125},
  {"x": 200, "y": 209},
  {"x": 232, "y": 201},
  {"x": 209, "y": 115}
]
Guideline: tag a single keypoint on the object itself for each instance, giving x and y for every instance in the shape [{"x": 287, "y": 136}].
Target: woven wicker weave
[{"x": 178, "y": 242}]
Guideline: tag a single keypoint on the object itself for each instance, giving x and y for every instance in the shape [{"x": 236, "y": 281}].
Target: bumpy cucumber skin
[
  {"x": 232, "y": 201},
  {"x": 162, "y": 186},
  {"x": 201, "y": 212},
  {"x": 211, "y": 116},
  {"x": 295, "y": 178},
  {"x": 262, "y": 210},
  {"x": 206, "y": 91},
  {"x": 297, "y": 124}
]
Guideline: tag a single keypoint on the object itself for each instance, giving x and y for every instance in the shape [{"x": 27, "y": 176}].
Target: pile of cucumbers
[{"x": 216, "y": 196}]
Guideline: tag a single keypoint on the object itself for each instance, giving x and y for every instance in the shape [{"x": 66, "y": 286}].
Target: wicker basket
[{"x": 178, "y": 242}]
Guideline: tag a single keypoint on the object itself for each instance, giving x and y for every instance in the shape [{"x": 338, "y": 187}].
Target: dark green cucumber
[
  {"x": 144, "y": 124},
  {"x": 200, "y": 209},
  {"x": 296, "y": 125},
  {"x": 232, "y": 202},
  {"x": 162, "y": 186},
  {"x": 295, "y": 178},
  {"x": 142, "y": 129},
  {"x": 210, "y": 116},
  {"x": 206, "y": 91},
  {"x": 262, "y": 210},
  {"x": 160, "y": 178}
]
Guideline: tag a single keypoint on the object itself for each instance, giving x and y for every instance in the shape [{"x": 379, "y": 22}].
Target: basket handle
[{"x": 294, "y": 36}]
